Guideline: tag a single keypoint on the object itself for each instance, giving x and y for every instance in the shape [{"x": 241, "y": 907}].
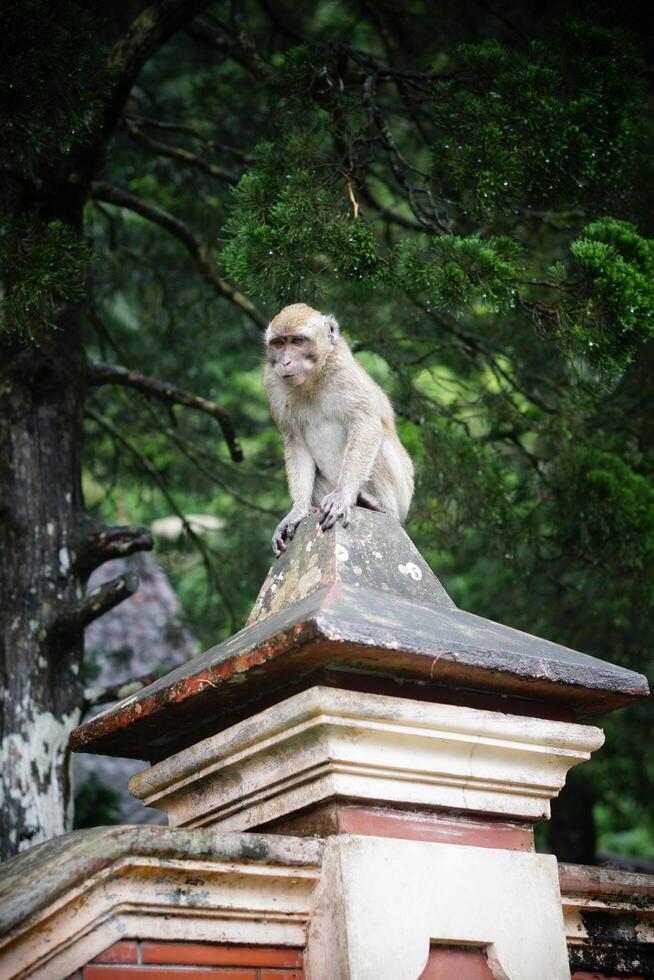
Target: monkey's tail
[{"x": 365, "y": 500}]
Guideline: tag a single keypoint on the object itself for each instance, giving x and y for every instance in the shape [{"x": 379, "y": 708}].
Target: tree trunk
[{"x": 41, "y": 513}]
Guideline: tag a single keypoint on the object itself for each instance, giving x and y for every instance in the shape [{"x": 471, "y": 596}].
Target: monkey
[{"x": 338, "y": 426}]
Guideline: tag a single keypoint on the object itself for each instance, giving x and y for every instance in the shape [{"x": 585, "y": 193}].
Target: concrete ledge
[
  {"x": 325, "y": 743},
  {"x": 65, "y": 901}
]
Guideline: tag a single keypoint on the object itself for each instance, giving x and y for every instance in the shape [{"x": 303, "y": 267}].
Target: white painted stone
[
  {"x": 381, "y": 902},
  {"x": 325, "y": 743}
]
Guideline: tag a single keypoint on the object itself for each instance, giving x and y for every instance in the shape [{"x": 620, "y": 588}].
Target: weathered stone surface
[
  {"x": 354, "y": 628},
  {"x": 373, "y": 553},
  {"x": 35, "y": 879}
]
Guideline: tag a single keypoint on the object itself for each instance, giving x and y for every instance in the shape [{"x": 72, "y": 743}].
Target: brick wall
[{"x": 133, "y": 960}]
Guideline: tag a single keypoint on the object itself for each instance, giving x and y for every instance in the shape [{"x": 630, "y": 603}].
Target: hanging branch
[
  {"x": 153, "y": 472},
  {"x": 184, "y": 156},
  {"x": 101, "y": 374},
  {"x": 188, "y": 130},
  {"x": 195, "y": 459},
  {"x": 111, "y": 194},
  {"x": 156, "y": 477}
]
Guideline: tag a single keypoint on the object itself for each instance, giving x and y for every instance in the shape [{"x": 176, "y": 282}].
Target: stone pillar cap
[{"x": 360, "y": 601}]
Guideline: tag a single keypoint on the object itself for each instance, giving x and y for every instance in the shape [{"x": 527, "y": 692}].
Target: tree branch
[
  {"x": 240, "y": 46},
  {"x": 106, "y": 543},
  {"x": 152, "y": 471},
  {"x": 146, "y": 34},
  {"x": 101, "y": 374},
  {"x": 74, "y": 618},
  {"x": 188, "y": 130},
  {"x": 111, "y": 194},
  {"x": 179, "y": 153}
]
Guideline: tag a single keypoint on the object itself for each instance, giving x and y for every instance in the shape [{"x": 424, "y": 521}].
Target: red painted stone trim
[
  {"x": 125, "y": 972},
  {"x": 206, "y": 954},
  {"x": 432, "y": 826},
  {"x": 136, "y": 960},
  {"x": 456, "y": 963},
  {"x": 586, "y": 880}
]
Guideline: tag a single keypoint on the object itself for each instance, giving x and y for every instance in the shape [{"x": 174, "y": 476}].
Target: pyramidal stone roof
[{"x": 356, "y": 607}]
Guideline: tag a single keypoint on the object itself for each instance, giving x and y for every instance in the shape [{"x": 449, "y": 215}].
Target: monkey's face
[
  {"x": 292, "y": 357},
  {"x": 298, "y": 342}
]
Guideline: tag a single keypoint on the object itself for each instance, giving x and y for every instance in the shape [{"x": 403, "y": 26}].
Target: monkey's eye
[
  {"x": 277, "y": 342},
  {"x": 298, "y": 341}
]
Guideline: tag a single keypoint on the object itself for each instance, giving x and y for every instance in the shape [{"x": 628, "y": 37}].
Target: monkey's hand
[
  {"x": 335, "y": 507},
  {"x": 285, "y": 531}
]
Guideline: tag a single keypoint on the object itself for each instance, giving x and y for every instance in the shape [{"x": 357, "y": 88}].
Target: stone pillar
[{"x": 360, "y": 705}]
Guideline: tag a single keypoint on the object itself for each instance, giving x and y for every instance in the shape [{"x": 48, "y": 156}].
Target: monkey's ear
[{"x": 333, "y": 328}]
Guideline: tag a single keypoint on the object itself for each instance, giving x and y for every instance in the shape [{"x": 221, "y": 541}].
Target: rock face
[{"x": 362, "y": 604}]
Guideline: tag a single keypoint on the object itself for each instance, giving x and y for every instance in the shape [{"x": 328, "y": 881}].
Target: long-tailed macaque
[{"x": 340, "y": 443}]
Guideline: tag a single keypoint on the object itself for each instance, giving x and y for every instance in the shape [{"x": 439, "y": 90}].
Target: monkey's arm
[
  {"x": 358, "y": 460},
  {"x": 300, "y": 473}
]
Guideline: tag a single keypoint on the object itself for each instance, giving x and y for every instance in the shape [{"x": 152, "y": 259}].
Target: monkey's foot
[
  {"x": 285, "y": 531},
  {"x": 334, "y": 507}
]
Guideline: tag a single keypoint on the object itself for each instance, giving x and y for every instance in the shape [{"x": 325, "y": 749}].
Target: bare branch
[
  {"x": 101, "y": 374},
  {"x": 239, "y": 46},
  {"x": 106, "y": 543},
  {"x": 115, "y": 692},
  {"x": 188, "y": 130},
  {"x": 185, "y": 156},
  {"x": 387, "y": 214},
  {"x": 111, "y": 194}
]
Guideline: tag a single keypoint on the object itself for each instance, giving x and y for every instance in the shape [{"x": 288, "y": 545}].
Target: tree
[{"x": 472, "y": 199}]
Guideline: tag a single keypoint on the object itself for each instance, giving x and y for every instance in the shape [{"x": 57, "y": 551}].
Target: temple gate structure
[{"x": 351, "y": 784}]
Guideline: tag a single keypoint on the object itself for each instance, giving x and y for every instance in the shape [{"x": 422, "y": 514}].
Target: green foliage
[
  {"x": 43, "y": 266},
  {"x": 456, "y": 271},
  {"x": 618, "y": 265},
  {"x": 544, "y": 125},
  {"x": 604, "y": 510},
  {"x": 452, "y": 460},
  {"x": 51, "y": 76},
  {"x": 289, "y": 225}
]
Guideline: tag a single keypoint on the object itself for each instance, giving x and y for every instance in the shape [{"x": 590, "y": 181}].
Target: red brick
[
  {"x": 123, "y": 952},
  {"x": 464, "y": 963},
  {"x": 281, "y": 975},
  {"x": 124, "y": 972},
  {"x": 208, "y": 954}
]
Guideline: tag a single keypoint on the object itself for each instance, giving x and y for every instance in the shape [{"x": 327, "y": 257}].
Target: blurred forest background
[{"x": 468, "y": 187}]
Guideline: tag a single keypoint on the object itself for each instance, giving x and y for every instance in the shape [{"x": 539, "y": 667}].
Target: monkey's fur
[{"x": 340, "y": 443}]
